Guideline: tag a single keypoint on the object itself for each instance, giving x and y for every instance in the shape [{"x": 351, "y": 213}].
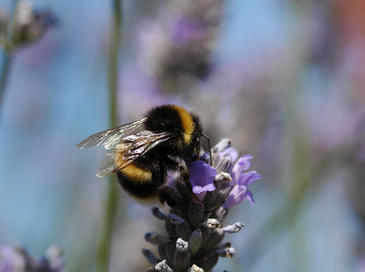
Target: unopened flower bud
[
  {"x": 196, "y": 213},
  {"x": 183, "y": 230},
  {"x": 156, "y": 238},
  {"x": 171, "y": 222},
  {"x": 208, "y": 260},
  {"x": 223, "y": 246},
  {"x": 228, "y": 252},
  {"x": 174, "y": 219},
  {"x": 213, "y": 223},
  {"x": 234, "y": 228},
  {"x": 195, "y": 268},
  {"x": 215, "y": 237},
  {"x": 150, "y": 256},
  {"x": 167, "y": 251},
  {"x": 157, "y": 212},
  {"x": 177, "y": 226},
  {"x": 170, "y": 229},
  {"x": 163, "y": 267},
  {"x": 219, "y": 197},
  {"x": 182, "y": 256},
  {"x": 195, "y": 241},
  {"x": 209, "y": 199},
  {"x": 182, "y": 245}
]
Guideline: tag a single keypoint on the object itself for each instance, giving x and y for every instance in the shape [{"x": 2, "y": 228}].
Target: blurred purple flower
[
  {"x": 17, "y": 260},
  {"x": 361, "y": 265},
  {"x": 137, "y": 84},
  {"x": 176, "y": 49},
  {"x": 11, "y": 260},
  {"x": 30, "y": 24},
  {"x": 185, "y": 30}
]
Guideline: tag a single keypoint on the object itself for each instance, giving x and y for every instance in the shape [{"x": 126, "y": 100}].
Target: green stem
[
  {"x": 115, "y": 42},
  {"x": 6, "y": 55},
  {"x": 112, "y": 199},
  {"x": 6, "y": 60}
]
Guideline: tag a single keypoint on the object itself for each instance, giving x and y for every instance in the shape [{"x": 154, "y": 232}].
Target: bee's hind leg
[{"x": 169, "y": 195}]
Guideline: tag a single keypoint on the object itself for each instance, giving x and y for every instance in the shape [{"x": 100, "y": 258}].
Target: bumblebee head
[{"x": 184, "y": 126}]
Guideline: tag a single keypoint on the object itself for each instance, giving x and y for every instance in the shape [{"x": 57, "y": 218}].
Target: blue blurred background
[{"x": 284, "y": 79}]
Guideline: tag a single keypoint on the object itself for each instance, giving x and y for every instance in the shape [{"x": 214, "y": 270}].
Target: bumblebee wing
[
  {"x": 110, "y": 137},
  {"x": 108, "y": 164},
  {"x": 130, "y": 148}
]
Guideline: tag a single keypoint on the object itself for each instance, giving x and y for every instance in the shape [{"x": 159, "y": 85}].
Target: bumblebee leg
[
  {"x": 179, "y": 165},
  {"x": 168, "y": 195},
  {"x": 173, "y": 163},
  {"x": 164, "y": 193}
]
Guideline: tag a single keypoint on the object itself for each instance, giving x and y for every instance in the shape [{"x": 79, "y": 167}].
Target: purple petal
[
  {"x": 202, "y": 177},
  {"x": 242, "y": 165},
  {"x": 232, "y": 152},
  {"x": 249, "y": 196},
  {"x": 223, "y": 156},
  {"x": 200, "y": 189},
  {"x": 235, "y": 197},
  {"x": 248, "y": 178}
]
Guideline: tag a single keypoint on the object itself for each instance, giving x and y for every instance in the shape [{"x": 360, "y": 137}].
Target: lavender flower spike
[
  {"x": 194, "y": 225},
  {"x": 14, "y": 259}
]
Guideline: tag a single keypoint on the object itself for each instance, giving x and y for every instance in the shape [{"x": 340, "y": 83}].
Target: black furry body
[
  {"x": 144, "y": 189},
  {"x": 147, "y": 173}
]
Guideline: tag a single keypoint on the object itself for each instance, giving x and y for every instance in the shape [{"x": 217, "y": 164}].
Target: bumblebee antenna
[{"x": 210, "y": 150}]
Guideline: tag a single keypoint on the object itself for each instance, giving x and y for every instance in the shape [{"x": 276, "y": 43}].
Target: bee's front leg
[{"x": 178, "y": 164}]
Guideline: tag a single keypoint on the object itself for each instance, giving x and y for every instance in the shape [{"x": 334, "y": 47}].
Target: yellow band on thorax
[{"x": 186, "y": 122}]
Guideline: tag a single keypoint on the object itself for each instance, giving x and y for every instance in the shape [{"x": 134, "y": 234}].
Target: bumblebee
[{"x": 141, "y": 152}]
